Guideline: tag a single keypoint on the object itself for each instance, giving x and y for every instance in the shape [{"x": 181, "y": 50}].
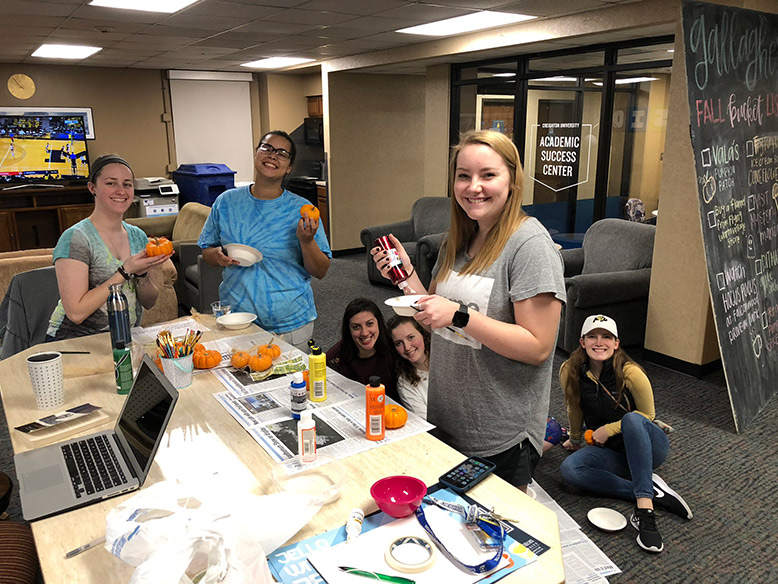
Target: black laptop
[{"x": 85, "y": 470}]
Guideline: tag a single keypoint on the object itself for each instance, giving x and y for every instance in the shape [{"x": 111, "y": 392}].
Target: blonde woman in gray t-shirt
[{"x": 499, "y": 281}]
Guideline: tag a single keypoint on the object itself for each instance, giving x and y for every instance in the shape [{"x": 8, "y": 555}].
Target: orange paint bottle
[{"x": 375, "y": 394}]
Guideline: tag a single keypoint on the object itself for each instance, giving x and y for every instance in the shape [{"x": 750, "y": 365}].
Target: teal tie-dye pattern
[{"x": 278, "y": 288}]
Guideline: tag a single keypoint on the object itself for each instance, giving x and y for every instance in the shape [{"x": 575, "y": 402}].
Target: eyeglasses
[{"x": 280, "y": 152}]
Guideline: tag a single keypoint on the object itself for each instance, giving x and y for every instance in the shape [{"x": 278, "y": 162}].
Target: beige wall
[
  {"x": 127, "y": 107},
  {"x": 282, "y": 99},
  {"x": 437, "y": 97},
  {"x": 376, "y": 151}
]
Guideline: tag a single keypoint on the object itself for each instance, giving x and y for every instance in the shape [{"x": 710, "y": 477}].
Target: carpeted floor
[{"x": 729, "y": 480}]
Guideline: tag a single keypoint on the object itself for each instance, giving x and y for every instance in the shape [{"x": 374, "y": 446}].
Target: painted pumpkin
[
  {"x": 240, "y": 359},
  {"x": 270, "y": 350},
  {"x": 395, "y": 416},
  {"x": 260, "y": 362},
  {"x": 158, "y": 246},
  {"x": 313, "y": 212},
  {"x": 206, "y": 359}
]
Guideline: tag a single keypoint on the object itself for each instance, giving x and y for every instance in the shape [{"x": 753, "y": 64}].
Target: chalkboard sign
[{"x": 732, "y": 75}]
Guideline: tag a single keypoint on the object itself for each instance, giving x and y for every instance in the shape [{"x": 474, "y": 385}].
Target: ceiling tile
[
  {"x": 13, "y": 20},
  {"x": 372, "y": 24},
  {"x": 545, "y": 8},
  {"x": 356, "y": 7},
  {"x": 336, "y": 32},
  {"x": 316, "y": 18},
  {"x": 218, "y": 41},
  {"x": 230, "y": 10},
  {"x": 155, "y": 41},
  {"x": 425, "y": 13},
  {"x": 35, "y": 8},
  {"x": 102, "y": 13},
  {"x": 276, "y": 3},
  {"x": 199, "y": 52},
  {"x": 202, "y": 22},
  {"x": 264, "y": 26},
  {"x": 114, "y": 26}
]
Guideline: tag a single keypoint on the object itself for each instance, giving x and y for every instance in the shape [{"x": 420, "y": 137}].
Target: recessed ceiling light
[
  {"x": 630, "y": 80},
  {"x": 504, "y": 75},
  {"x": 276, "y": 62},
  {"x": 168, "y": 6},
  {"x": 466, "y": 23},
  {"x": 670, "y": 50},
  {"x": 558, "y": 78},
  {"x": 65, "y": 51}
]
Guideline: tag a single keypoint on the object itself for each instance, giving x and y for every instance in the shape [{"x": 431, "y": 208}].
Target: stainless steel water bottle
[{"x": 118, "y": 316}]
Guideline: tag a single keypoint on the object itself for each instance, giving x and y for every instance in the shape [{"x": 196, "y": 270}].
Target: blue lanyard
[{"x": 487, "y": 526}]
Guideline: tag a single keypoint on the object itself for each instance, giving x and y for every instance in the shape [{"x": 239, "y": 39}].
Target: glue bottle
[
  {"x": 354, "y": 524},
  {"x": 298, "y": 394},
  {"x": 375, "y": 393},
  {"x": 317, "y": 373},
  {"x": 306, "y": 437}
]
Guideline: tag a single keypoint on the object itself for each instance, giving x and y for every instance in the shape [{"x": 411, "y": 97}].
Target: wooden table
[{"x": 200, "y": 426}]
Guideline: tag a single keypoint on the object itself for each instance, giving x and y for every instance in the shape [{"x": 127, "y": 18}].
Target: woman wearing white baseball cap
[{"x": 610, "y": 394}]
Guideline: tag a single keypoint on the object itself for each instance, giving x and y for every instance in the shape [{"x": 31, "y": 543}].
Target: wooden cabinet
[
  {"x": 324, "y": 210},
  {"x": 35, "y": 217},
  {"x": 315, "y": 106}
]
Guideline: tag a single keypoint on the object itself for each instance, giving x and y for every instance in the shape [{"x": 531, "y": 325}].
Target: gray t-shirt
[{"x": 483, "y": 403}]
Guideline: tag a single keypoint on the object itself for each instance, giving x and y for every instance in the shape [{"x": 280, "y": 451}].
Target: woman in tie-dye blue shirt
[{"x": 267, "y": 217}]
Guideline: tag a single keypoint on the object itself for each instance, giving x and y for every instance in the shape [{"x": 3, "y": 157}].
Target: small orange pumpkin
[
  {"x": 395, "y": 416},
  {"x": 270, "y": 350},
  {"x": 313, "y": 212},
  {"x": 260, "y": 362},
  {"x": 240, "y": 359},
  {"x": 158, "y": 362},
  {"x": 199, "y": 348},
  {"x": 158, "y": 246},
  {"x": 206, "y": 359}
]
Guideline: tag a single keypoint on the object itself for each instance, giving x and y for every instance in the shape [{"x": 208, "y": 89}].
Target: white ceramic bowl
[
  {"x": 236, "y": 320},
  {"x": 245, "y": 254},
  {"x": 403, "y": 305}
]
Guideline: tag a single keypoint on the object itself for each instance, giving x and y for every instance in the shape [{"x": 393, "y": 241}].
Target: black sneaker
[
  {"x": 668, "y": 499},
  {"x": 649, "y": 537}
]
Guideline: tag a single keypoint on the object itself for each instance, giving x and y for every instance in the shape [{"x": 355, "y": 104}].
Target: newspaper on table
[
  {"x": 584, "y": 562},
  {"x": 178, "y": 328}
]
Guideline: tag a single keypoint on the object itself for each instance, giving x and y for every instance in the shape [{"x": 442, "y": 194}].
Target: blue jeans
[{"x": 624, "y": 475}]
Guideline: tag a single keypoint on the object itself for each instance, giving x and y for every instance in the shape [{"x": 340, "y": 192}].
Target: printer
[{"x": 156, "y": 196}]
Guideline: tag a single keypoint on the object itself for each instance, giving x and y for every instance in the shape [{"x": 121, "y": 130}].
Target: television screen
[{"x": 42, "y": 149}]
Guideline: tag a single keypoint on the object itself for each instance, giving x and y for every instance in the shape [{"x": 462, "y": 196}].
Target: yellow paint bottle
[{"x": 317, "y": 373}]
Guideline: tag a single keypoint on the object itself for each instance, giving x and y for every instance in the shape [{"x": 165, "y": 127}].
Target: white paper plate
[
  {"x": 236, "y": 320},
  {"x": 322, "y": 479},
  {"x": 607, "y": 519},
  {"x": 245, "y": 254},
  {"x": 403, "y": 305}
]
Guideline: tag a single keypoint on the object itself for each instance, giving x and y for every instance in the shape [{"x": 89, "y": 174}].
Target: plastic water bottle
[{"x": 118, "y": 316}]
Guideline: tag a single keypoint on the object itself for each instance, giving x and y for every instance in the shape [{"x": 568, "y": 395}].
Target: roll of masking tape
[{"x": 410, "y": 554}]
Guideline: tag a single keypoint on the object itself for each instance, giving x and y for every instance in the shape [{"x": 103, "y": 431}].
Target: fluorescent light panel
[
  {"x": 65, "y": 51},
  {"x": 168, "y": 6},
  {"x": 276, "y": 62},
  {"x": 630, "y": 80},
  {"x": 466, "y": 23}
]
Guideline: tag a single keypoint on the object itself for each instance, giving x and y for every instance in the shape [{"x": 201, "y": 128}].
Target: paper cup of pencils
[{"x": 176, "y": 356}]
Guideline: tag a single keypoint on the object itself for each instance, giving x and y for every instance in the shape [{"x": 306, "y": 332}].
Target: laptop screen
[{"x": 145, "y": 415}]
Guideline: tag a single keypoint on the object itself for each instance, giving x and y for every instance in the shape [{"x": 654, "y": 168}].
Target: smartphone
[{"x": 467, "y": 474}]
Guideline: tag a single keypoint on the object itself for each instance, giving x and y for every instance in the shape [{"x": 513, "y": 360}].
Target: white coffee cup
[{"x": 48, "y": 381}]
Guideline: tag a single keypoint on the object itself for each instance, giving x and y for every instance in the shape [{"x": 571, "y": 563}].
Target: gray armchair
[
  {"x": 429, "y": 216},
  {"x": 199, "y": 281},
  {"x": 609, "y": 275}
]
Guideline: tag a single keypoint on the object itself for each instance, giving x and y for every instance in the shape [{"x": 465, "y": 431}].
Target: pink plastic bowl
[{"x": 398, "y": 496}]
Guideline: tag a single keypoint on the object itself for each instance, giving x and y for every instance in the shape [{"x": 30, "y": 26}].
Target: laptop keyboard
[{"x": 92, "y": 465}]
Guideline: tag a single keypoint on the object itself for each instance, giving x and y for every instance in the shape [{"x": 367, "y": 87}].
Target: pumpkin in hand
[
  {"x": 270, "y": 350},
  {"x": 158, "y": 246},
  {"x": 313, "y": 212},
  {"x": 240, "y": 359},
  {"x": 260, "y": 362},
  {"x": 395, "y": 416},
  {"x": 206, "y": 359}
]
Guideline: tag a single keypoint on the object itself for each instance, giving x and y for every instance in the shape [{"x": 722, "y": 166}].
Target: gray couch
[
  {"x": 609, "y": 275},
  {"x": 420, "y": 235}
]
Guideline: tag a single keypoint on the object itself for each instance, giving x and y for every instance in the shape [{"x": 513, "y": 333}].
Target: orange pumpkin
[
  {"x": 199, "y": 348},
  {"x": 589, "y": 437},
  {"x": 158, "y": 246},
  {"x": 260, "y": 362},
  {"x": 313, "y": 212},
  {"x": 206, "y": 359},
  {"x": 158, "y": 362},
  {"x": 395, "y": 416},
  {"x": 240, "y": 359},
  {"x": 270, "y": 350}
]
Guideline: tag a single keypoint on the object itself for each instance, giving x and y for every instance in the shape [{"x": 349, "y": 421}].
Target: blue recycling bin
[{"x": 202, "y": 183}]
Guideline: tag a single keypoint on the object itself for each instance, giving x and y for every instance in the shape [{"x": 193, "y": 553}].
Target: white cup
[{"x": 48, "y": 382}]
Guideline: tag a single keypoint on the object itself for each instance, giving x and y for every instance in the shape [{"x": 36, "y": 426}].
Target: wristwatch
[{"x": 461, "y": 316}]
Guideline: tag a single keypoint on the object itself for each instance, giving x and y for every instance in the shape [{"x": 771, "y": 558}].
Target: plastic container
[
  {"x": 202, "y": 183},
  {"x": 398, "y": 496},
  {"x": 306, "y": 437},
  {"x": 375, "y": 403},
  {"x": 298, "y": 395},
  {"x": 317, "y": 373},
  {"x": 178, "y": 370}
]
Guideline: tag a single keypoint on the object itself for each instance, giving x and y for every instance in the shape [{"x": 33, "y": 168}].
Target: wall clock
[{"x": 21, "y": 86}]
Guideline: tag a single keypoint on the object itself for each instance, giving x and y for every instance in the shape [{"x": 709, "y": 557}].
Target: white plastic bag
[{"x": 174, "y": 537}]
